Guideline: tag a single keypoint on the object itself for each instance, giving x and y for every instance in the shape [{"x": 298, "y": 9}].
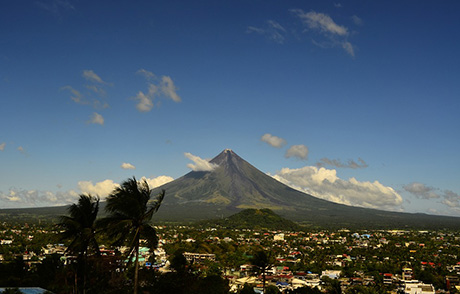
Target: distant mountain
[
  {"x": 234, "y": 185},
  {"x": 253, "y": 219}
]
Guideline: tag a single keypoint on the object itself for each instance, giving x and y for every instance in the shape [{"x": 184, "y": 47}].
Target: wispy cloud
[
  {"x": 22, "y": 150},
  {"x": 199, "y": 164},
  {"x": 2, "y": 146},
  {"x": 272, "y": 30},
  {"x": 96, "y": 118},
  {"x": 92, "y": 76},
  {"x": 162, "y": 87},
  {"x": 333, "y": 33},
  {"x": 339, "y": 164},
  {"x": 126, "y": 165},
  {"x": 273, "y": 141},
  {"x": 297, "y": 151},
  {"x": 422, "y": 191},
  {"x": 55, "y": 6},
  {"x": 358, "y": 21},
  {"x": 324, "y": 183}
]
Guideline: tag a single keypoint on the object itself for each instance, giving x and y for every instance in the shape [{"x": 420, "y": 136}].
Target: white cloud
[
  {"x": 102, "y": 189},
  {"x": 274, "y": 141},
  {"x": 92, "y": 76},
  {"x": 164, "y": 87},
  {"x": 2, "y": 146},
  {"x": 145, "y": 102},
  {"x": 348, "y": 48},
  {"x": 96, "y": 118},
  {"x": 158, "y": 181},
  {"x": 126, "y": 165},
  {"x": 147, "y": 74},
  {"x": 321, "y": 22},
  {"x": 298, "y": 151},
  {"x": 324, "y": 183},
  {"x": 327, "y": 28},
  {"x": 199, "y": 164},
  {"x": 169, "y": 89}
]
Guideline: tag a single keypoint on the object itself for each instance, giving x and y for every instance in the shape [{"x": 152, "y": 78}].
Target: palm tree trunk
[{"x": 136, "y": 267}]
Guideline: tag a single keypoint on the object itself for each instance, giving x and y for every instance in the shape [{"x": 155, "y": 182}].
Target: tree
[
  {"x": 80, "y": 227},
  {"x": 130, "y": 209},
  {"x": 263, "y": 262}
]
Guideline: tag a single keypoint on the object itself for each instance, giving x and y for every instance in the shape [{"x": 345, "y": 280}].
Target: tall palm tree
[
  {"x": 262, "y": 261},
  {"x": 130, "y": 209},
  {"x": 80, "y": 227}
]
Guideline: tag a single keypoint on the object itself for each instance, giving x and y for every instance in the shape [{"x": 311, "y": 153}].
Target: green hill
[{"x": 254, "y": 219}]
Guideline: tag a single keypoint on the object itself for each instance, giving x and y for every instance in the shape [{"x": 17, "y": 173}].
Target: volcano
[{"x": 234, "y": 184}]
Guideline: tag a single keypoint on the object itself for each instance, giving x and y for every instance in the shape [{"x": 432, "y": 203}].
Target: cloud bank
[
  {"x": 35, "y": 198},
  {"x": 324, "y": 183}
]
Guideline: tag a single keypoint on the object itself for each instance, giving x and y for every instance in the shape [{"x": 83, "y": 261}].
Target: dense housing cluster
[{"x": 382, "y": 261}]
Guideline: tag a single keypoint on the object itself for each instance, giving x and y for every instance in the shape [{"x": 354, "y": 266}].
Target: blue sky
[{"x": 352, "y": 101}]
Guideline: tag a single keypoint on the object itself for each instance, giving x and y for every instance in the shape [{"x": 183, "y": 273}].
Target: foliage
[{"x": 130, "y": 209}]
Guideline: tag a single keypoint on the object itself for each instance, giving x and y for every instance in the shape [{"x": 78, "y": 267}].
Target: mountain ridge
[{"x": 234, "y": 185}]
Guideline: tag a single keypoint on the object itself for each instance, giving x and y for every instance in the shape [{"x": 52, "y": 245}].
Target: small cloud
[
  {"x": 2, "y": 146},
  {"x": 321, "y": 22},
  {"x": 96, "y": 119},
  {"x": 421, "y": 191},
  {"x": 273, "y": 141},
  {"x": 358, "y": 21},
  {"x": 338, "y": 5},
  {"x": 22, "y": 150},
  {"x": 158, "y": 181},
  {"x": 147, "y": 74},
  {"x": 273, "y": 31},
  {"x": 169, "y": 89},
  {"x": 164, "y": 87},
  {"x": 76, "y": 96},
  {"x": 92, "y": 77},
  {"x": 145, "y": 103},
  {"x": 102, "y": 189},
  {"x": 339, "y": 164},
  {"x": 199, "y": 164},
  {"x": 126, "y": 165},
  {"x": 298, "y": 151}
]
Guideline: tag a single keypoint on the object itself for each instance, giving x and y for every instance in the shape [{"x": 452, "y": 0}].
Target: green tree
[
  {"x": 80, "y": 227},
  {"x": 131, "y": 209}
]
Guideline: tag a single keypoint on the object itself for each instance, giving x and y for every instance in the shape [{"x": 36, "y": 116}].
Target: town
[{"x": 223, "y": 260}]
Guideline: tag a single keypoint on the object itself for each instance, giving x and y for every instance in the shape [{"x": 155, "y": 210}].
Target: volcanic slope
[{"x": 234, "y": 185}]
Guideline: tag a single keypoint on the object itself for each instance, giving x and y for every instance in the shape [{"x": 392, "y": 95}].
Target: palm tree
[
  {"x": 130, "y": 209},
  {"x": 262, "y": 261},
  {"x": 79, "y": 227}
]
